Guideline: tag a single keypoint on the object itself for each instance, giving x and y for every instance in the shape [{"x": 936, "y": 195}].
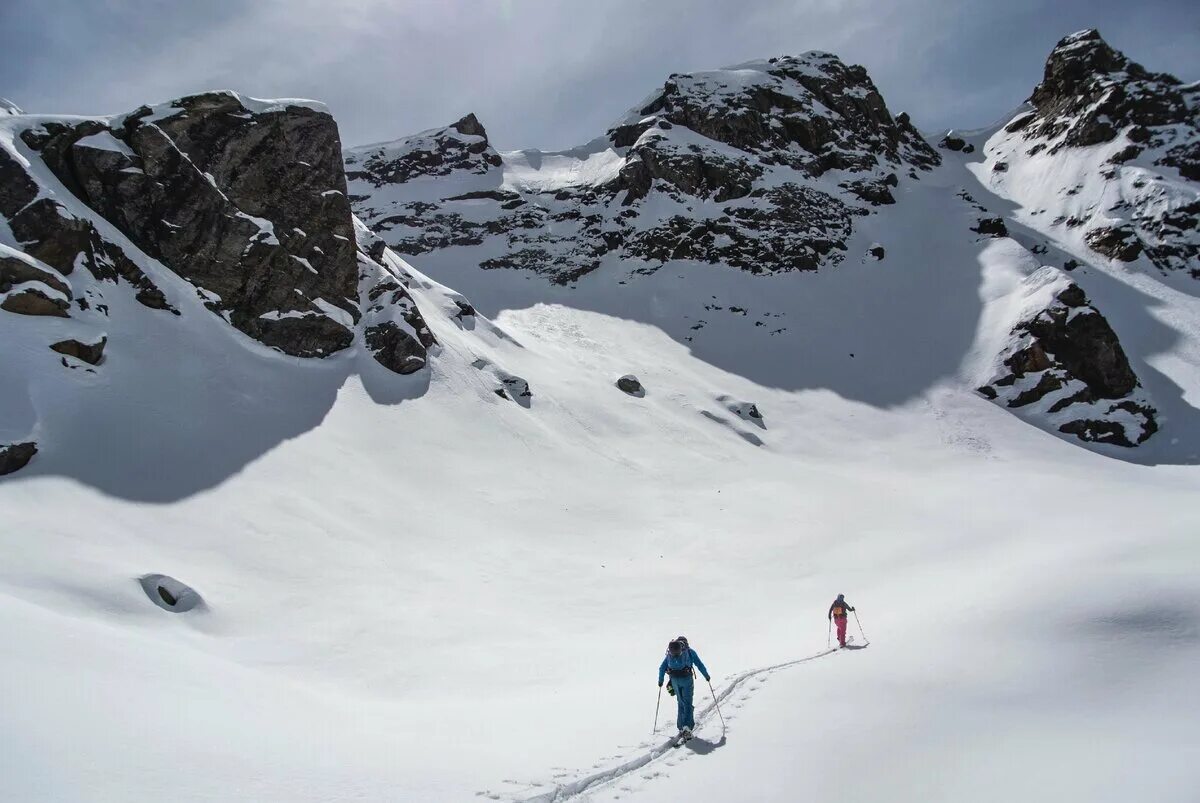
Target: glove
[
  {"x": 671, "y": 689},
  {"x": 660, "y": 684},
  {"x": 707, "y": 679},
  {"x": 852, "y": 609}
]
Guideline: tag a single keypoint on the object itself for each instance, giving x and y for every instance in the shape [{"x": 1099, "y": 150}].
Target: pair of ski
[{"x": 684, "y": 736}]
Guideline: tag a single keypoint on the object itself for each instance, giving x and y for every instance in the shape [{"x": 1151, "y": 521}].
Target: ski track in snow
[{"x": 595, "y": 781}]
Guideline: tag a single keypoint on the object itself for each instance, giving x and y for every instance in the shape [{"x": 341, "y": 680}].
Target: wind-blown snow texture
[{"x": 421, "y": 546}]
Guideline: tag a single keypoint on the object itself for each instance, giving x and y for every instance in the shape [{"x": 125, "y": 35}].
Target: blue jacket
[{"x": 684, "y": 661}]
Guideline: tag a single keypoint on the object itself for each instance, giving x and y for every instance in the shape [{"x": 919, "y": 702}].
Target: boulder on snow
[
  {"x": 747, "y": 411},
  {"x": 991, "y": 226},
  {"x": 953, "y": 143},
  {"x": 513, "y": 388},
  {"x": 90, "y": 353},
  {"x": 15, "y": 456},
  {"x": 631, "y": 385},
  {"x": 876, "y": 251},
  {"x": 171, "y": 595}
]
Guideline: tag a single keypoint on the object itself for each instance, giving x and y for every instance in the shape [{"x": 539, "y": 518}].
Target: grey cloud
[{"x": 541, "y": 73}]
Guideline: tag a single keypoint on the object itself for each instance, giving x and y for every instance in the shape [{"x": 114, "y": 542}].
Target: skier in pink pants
[{"x": 837, "y": 612}]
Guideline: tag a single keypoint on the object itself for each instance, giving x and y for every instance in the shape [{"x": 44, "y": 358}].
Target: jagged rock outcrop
[
  {"x": 1065, "y": 363},
  {"x": 762, "y": 167},
  {"x": 1125, "y": 147}
]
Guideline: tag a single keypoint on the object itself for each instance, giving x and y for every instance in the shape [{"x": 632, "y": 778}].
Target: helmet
[
  {"x": 683, "y": 640},
  {"x": 675, "y": 648},
  {"x": 841, "y": 596}
]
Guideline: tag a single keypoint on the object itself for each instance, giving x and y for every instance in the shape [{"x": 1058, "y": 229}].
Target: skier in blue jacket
[{"x": 678, "y": 663}]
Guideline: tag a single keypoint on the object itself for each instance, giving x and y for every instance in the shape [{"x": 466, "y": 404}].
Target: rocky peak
[
  {"x": 461, "y": 146},
  {"x": 810, "y": 112},
  {"x": 1091, "y": 92}
]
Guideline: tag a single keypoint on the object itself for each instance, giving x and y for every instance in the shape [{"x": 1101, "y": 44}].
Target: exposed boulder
[
  {"x": 514, "y": 388},
  {"x": 952, "y": 143},
  {"x": 877, "y": 251},
  {"x": 170, "y": 594},
  {"x": 631, "y": 385},
  {"x": 90, "y": 353},
  {"x": 991, "y": 226},
  {"x": 15, "y": 456}
]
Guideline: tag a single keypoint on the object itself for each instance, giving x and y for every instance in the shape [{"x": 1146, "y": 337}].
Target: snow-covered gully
[{"x": 591, "y": 782}]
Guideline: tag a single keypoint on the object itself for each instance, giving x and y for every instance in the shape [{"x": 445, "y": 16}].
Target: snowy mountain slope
[
  {"x": 796, "y": 165},
  {"x": 1050, "y": 174},
  {"x": 455, "y": 583}
]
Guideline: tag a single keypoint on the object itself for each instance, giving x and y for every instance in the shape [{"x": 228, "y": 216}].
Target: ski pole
[
  {"x": 860, "y": 630},
  {"x": 829, "y": 635},
  {"x": 717, "y": 703},
  {"x": 656, "y": 705}
]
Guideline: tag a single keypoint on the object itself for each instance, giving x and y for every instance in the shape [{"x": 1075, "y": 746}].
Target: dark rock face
[
  {"x": 1071, "y": 350},
  {"x": 394, "y": 348},
  {"x": 394, "y": 331},
  {"x": 15, "y": 456},
  {"x": 248, "y": 205},
  {"x": 1116, "y": 242},
  {"x": 52, "y": 234},
  {"x": 90, "y": 353},
  {"x": 718, "y": 167}
]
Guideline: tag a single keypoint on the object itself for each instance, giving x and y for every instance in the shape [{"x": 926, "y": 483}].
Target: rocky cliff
[{"x": 243, "y": 199}]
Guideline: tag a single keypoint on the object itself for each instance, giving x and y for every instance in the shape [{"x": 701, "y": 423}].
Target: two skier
[
  {"x": 837, "y": 612},
  {"x": 681, "y": 663}
]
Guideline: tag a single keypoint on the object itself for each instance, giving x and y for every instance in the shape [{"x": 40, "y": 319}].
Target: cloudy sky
[{"x": 540, "y": 73}]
